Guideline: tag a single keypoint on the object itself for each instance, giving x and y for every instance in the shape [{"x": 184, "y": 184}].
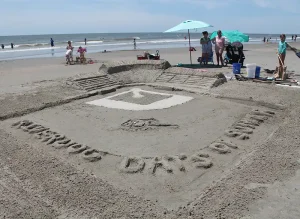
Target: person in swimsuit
[
  {"x": 81, "y": 52},
  {"x": 134, "y": 44},
  {"x": 69, "y": 53},
  {"x": 206, "y": 47},
  {"x": 282, "y": 45},
  {"x": 219, "y": 42},
  {"x": 52, "y": 42}
]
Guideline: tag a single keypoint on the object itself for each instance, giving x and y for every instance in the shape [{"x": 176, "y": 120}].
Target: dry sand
[{"x": 230, "y": 152}]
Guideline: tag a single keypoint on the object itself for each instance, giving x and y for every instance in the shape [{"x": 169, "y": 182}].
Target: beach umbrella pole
[{"x": 190, "y": 46}]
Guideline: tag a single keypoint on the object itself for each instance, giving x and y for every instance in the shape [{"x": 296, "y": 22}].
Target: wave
[
  {"x": 61, "y": 46},
  {"x": 91, "y": 42},
  {"x": 122, "y": 39},
  {"x": 8, "y": 50},
  {"x": 32, "y": 45}
]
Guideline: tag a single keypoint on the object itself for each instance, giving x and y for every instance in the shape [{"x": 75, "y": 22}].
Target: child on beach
[
  {"x": 81, "y": 52},
  {"x": 69, "y": 53},
  {"x": 206, "y": 47},
  {"x": 281, "y": 52},
  {"x": 282, "y": 45}
]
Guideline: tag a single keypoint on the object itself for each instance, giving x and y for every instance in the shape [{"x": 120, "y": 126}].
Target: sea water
[{"x": 35, "y": 46}]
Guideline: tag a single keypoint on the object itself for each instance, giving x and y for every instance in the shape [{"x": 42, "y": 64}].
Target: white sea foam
[{"x": 92, "y": 42}]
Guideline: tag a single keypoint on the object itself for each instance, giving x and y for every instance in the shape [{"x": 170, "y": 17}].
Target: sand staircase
[
  {"x": 196, "y": 80},
  {"x": 95, "y": 82}
]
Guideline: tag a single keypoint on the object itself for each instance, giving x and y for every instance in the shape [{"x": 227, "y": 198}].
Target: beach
[
  {"x": 38, "y": 46},
  {"x": 122, "y": 138},
  {"x": 27, "y": 71}
]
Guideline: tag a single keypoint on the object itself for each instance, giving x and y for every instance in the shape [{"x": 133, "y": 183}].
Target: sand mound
[{"x": 120, "y": 66}]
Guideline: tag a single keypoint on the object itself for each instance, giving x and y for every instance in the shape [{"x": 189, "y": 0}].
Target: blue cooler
[
  {"x": 257, "y": 72},
  {"x": 236, "y": 68}
]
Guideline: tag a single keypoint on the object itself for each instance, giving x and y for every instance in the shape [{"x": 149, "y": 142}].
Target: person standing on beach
[
  {"x": 206, "y": 48},
  {"x": 292, "y": 37},
  {"x": 264, "y": 40},
  {"x": 12, "y": 45},
  {"x": 295, "y": 38},
  {"x": 219, "y": 42},
  {"x": 2, "y": 46},
  {"x": 134, "y": 44},
  {"x": 282, "y": 45},
  {"x": 84, "y": 41},
  {"x": 69, "y": 53},
  {"x": 52, "y": 42}
]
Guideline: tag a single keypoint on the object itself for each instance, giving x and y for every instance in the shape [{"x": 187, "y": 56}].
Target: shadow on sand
[{"x": 198, "y": 66}]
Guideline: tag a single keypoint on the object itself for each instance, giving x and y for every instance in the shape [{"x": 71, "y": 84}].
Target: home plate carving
[{"x": 137, "y": 99}]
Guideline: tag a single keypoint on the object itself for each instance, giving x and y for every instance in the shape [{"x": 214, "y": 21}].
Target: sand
[{"x": 231, "y": 151}]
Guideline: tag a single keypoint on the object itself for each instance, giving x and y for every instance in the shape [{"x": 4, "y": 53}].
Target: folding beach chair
[{"x": 210, "y": 59}]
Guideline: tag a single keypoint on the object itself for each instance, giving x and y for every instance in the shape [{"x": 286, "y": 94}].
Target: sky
[{"x": 114, "y": 16}]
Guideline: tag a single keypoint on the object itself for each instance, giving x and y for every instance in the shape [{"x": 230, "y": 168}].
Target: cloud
[
  {"x": 208, "y": 4},
  {"x": 281, "y": 5},
  {"x": 262, "y": 3}
]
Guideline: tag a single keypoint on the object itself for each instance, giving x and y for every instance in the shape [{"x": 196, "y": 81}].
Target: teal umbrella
[
  {"x": 232, "y": 36},
  {"x": 189, "y": 25}
]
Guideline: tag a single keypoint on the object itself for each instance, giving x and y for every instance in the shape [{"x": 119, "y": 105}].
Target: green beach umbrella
[
  {"x": 189, "y": 25},
  {"x": 232, "y": 36}
]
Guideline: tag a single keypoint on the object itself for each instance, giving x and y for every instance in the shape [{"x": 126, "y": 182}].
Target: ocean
[{"x": 37, "y": 46}]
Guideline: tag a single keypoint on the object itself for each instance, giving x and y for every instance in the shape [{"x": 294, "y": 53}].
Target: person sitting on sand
[
  {"x": 69, "y": 53},
  {"x": 206, "y": 47}
]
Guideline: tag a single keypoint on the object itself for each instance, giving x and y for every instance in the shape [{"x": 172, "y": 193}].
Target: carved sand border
[{"x": 169, "y": 164}]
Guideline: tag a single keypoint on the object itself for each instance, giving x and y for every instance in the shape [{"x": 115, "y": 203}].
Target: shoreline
[
  {"x": 95, "y": 54},
  {"x": 42, "y": 52}
]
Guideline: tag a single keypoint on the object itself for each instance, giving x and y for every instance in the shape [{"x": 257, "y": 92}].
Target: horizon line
[{"x": 122, "y": 33}]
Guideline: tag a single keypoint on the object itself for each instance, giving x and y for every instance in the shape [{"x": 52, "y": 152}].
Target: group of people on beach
[
  {"x": 11, "y": 46},
  {"x": 266, "y": 40},
  {"x": 219, "y": 42},
  {"x": 69, "y": 54},
  {"x": 206, "y": 42},
  {"x": 51, "y": 43}
]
